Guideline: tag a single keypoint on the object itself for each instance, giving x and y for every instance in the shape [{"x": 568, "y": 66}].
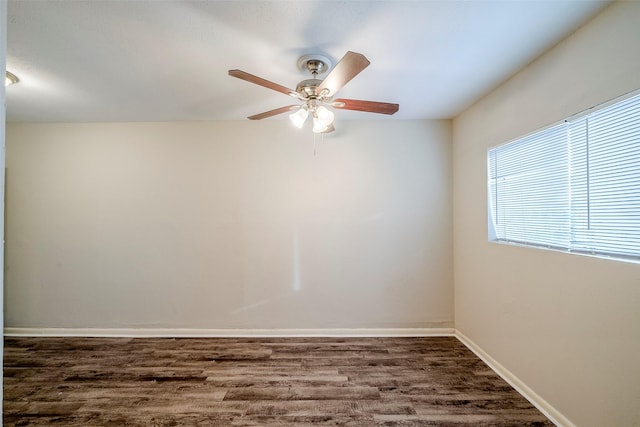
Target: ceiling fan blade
[
  {"x": 346, "y": 69},
  {"x": 366, "y": 106},
  {"x": 273, "y": 112},
  {"x": 242, "y": 75}
]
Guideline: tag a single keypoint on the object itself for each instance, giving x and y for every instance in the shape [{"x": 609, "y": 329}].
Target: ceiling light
[
  {"x": 10, "y": 79},
  {"x": 322, "y": 119},
  {"x": 322, "y": 116},
  {"x": 318, "y": 125},
  {"x": 325, "y": 115},
  {"x": 298, "y": 117}
]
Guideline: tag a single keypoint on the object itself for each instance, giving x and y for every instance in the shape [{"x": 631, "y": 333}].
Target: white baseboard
[
  {"x": 549, "y": 411},
  {"x": 240, "y": 333}
]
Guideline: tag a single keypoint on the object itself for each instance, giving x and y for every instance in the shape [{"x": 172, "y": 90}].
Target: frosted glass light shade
[
  {"x": 298, "y": 117},
  {"x": 325, "y": 115},
  {"x": 322, "y": 119},
  {"x": 319, "y": 126}
]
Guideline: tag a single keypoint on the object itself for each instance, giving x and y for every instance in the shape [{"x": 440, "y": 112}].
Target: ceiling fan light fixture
[
  {"x": 10, "y": 79},
  {"x": 325, "y": 115},
  {"x": 298, "y": 117},
  {"x": 318, "y": 125},
  {"x": 322, "y": 119}
]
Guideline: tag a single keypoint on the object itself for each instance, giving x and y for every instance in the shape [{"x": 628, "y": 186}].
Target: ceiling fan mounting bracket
[{"x": 314, "y": 64}]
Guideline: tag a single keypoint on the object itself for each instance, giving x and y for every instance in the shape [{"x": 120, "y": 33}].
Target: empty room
[{"x": 318, "y": 212}]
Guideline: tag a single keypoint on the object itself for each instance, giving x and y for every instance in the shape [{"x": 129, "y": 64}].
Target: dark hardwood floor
[{"x": 433, "y": 381}]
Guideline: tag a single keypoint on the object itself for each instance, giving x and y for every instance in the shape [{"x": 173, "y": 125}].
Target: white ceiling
[{"x": 168, "y": 60}]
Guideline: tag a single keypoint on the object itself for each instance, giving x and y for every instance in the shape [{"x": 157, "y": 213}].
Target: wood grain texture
[{"x": 255, "y": 382}]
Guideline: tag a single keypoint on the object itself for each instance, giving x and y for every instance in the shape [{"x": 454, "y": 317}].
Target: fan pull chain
[{"x": 315, "y": 144}]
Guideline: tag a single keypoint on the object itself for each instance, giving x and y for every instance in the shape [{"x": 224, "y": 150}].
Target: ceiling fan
[{"x": 316, "y": 95}]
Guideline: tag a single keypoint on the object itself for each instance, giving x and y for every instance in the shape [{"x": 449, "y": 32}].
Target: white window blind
[{"x": 573, "y": 186}]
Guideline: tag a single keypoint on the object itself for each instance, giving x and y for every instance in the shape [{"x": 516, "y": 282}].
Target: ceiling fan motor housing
[{"x": 308, "y": 88}]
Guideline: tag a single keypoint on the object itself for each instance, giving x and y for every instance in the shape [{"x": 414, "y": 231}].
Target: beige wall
[
  {"x": 566, "y": 325},
  {"x": 229, "y": 225}
]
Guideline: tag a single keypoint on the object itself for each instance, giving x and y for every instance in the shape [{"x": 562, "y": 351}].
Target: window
[{"x": 574, "y": 186}]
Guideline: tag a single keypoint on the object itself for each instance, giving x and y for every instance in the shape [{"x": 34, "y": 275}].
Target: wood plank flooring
[{"x": 433, "y": 381}]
